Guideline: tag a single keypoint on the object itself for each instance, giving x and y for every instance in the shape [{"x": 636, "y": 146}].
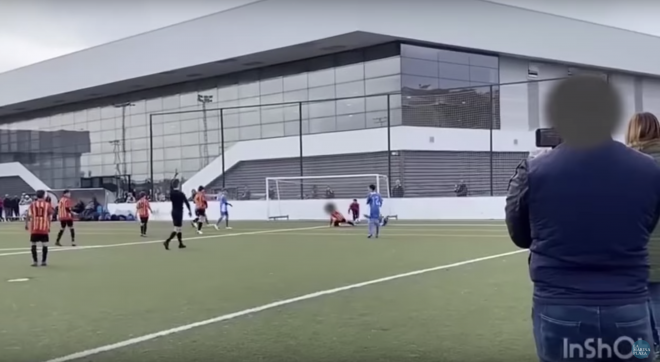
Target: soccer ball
[{"x": 330, "y": 207}]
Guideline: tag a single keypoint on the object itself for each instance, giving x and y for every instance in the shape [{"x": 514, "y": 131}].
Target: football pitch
[{"x": 268, "y": 291}]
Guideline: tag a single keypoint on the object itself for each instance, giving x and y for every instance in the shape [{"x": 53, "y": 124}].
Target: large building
[{"x": 427, "y": 92}]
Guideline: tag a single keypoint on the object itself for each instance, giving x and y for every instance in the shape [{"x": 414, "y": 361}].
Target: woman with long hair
[{"x": 643, "y": 134}]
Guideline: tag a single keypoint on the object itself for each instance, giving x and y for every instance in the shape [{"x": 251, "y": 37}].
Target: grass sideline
[{"x": 86, "y": 300}]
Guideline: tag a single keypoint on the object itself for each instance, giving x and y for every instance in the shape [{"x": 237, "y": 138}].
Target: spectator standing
[
  {"x": 6, "y": 203},
  {"x": 397, "y": 190},
  {"x": 329, "y": 193},
  {"x": 643, "y": 134},
  {"x": 591, "y": 204},
  {"x": 2, "y": 207},
  {"x": 461, "y": 189}
]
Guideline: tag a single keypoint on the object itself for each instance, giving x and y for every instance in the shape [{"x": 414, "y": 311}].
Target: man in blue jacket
[{"x": 586, "y": 211}]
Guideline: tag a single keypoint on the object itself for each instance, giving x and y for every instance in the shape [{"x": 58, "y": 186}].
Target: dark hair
[
  {"x": 41, "y": 194},
  {"x": 143, "y": 194},
  {"x": 372, "y": 187},
  {"x": 201, "y": 188},
  {"x": 174, "y": 184},
  {"x": 354, "y": 200},
  {"x": 66, "y": 191}
]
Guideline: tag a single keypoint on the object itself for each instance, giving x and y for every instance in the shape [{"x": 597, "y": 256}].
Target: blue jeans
[
  {"x": 582, "y": 333},
  {"x": 654, "y": 292}
]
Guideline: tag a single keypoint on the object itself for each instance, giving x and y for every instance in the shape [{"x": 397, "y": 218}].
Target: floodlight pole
[
  {"x": 123, "y": 107},
  {"x": 204, "y": 99}
]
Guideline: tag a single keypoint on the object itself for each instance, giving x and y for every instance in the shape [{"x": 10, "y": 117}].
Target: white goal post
[{"x": 303, "y": 197}]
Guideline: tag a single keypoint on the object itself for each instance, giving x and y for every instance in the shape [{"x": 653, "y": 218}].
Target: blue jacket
[{"x": 586, "y": 216}]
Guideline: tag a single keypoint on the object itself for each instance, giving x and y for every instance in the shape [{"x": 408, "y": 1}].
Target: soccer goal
[{"x": 342, "y": 189}]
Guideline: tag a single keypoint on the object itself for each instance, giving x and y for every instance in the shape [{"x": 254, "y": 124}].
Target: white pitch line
[
  {"x": 226, "y": 317},
  {"x": 103, "y": 246}
]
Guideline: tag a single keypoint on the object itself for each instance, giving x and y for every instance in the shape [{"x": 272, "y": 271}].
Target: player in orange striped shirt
[
  {"x": 65, "y": 216},
  {"x": 38, "y": 218},
  {"x": 200, "y": 209},
  {"x": 143, "y": 210},
  {"x": 337, "y": 219}
]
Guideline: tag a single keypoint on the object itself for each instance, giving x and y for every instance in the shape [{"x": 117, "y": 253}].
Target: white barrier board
[{"x": 441, "y": 208}]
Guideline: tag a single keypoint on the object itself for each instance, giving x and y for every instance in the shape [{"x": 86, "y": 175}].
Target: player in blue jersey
[
  {"x": 374, "y": 202},
  {"x": 224, "y": 211}
]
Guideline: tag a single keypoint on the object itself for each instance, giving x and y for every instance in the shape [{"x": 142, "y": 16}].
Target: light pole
[
  {"x": 123, "y": 107},
  {"x": 204, "y": 149}
]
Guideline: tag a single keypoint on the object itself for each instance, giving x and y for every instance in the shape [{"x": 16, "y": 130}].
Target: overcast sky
[{"x": 36, "y": 30}]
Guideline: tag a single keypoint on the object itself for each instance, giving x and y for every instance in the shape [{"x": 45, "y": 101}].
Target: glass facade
[
  {"x": 334, "y": 93},
  {"x": 448, "y": 88}
]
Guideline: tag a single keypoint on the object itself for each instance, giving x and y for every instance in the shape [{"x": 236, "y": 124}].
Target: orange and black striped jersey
[
  {"x": 143, "y": 207},
  {"x": 200, "y": 201},
  {"x": 40, "y": 213},
  {"x": 337, "y": 216},
  {"x": 64, "y": 209}
]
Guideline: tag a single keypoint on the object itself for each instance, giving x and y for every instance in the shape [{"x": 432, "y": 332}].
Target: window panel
[
  {"x": 172, "y": 166},
  {"x": 94, "y": 114},
  {"x": 418, "y": 52},
  {"x": 322, "y": 93},
  {"x": 159, "y": 168},
  {"x": 248, "y": 90},
  {"x": 292, "y": 112},
  {"x": 172, "y": 128},
  {"x": 231, "y": 135},
  {"x": 139, "y": 156},
  {"x": 245, "y": 103},
  {"x": 272, "y": 99},
  {"x": 107, "y": 124},
  {"x": 250, "y": 118},
  {"x": 230, "y": 120},
  {"x": 296, "y": 96},
  {"x": 193, "y": 164},
  {"x": 295, "y": 82},
  {"x": 321, "y": 109},
  {"x": 351, "y": 122},
  {"x": 191, "y": 152},
  {"x": 135, "y": 132},
  {"x": 419, "y": 67},
  {"x": 139, "y": 144},
  {"x": 172, "y": 141},
  {"x": 138, "y": 120},
  {"x": 321, "y": 78},
  {"x": 188, "y": 99},
  {"x": 172, "y": 153},
  {"x": 383, "y": 85},
  {"x": 352, "y": 89},
  {"x": 452, "y": 84},
  {"x": 272, "y": 130},
  {"x": 272, "y": 114},
  {"x": 379, "y": 103},
  {"x": 108, "y": 112},
  {"x": 159, "y": 155},
  {"x": 349, "y": 73},
  {"x": 454, "y": 71},
  {"x": 415, "y": 82},
  {"x": 228, "y": 93},
  {"x": 249, "y": 133},
  {"x": 382, "y": 67},
  {"x": 171, "y": 102},
  {"x": 271, "y": 86},
  {"x": 322, "y": 125},
  {"x": 450, "y": 56},
  {"x": 193, "y": 125},
  {"x": 350, "y": 106},
  {"x": 140, "y": 169},
  {"x": 138, "y": 107},
  {"x": 80, "y": 117},
  {"x": 192, "y": 138},
  {"x": 484, "y": 75},
  {"x": 488, "y": 61}
]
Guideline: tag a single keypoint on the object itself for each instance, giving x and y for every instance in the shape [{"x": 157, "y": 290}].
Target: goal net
[{"x": 303, "y": 198}]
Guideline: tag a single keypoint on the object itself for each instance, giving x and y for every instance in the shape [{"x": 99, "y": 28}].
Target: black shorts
[
  {"x": 355, "y": 215},
  {"x": 66, "y": 223},
  {"x": 39, "y": 238},
  {"x": 144, "y": 220},
  {"x": 200, "y": 212},
  {"x": 177, "y": 219}
]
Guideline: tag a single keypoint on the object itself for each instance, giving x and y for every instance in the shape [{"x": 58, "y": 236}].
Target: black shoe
[
  {"x": 57, "y": 243},
  {"x": 181, "y": 246},
  {"x": 34, "y": 264},
  {"x": 166, "y": 244},
  {"x": 43, "y": 263}
]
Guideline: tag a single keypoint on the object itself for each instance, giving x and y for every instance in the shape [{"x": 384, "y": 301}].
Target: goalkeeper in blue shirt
[{"x": 374, "y": 202}]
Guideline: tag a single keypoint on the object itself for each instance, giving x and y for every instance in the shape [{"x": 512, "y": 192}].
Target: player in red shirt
[
  {"x": 65, "y": 216},
  {"x": 354, "y": 210},
  {"x": 337, "y": 219},
  {"x": 143, "y": 211},
  {"x": 200, "y": 209},
  {"x": 38, "y": 218}
]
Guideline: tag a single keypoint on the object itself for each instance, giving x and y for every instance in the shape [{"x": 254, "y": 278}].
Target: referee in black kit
[{"x": 178, "y": 199}]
